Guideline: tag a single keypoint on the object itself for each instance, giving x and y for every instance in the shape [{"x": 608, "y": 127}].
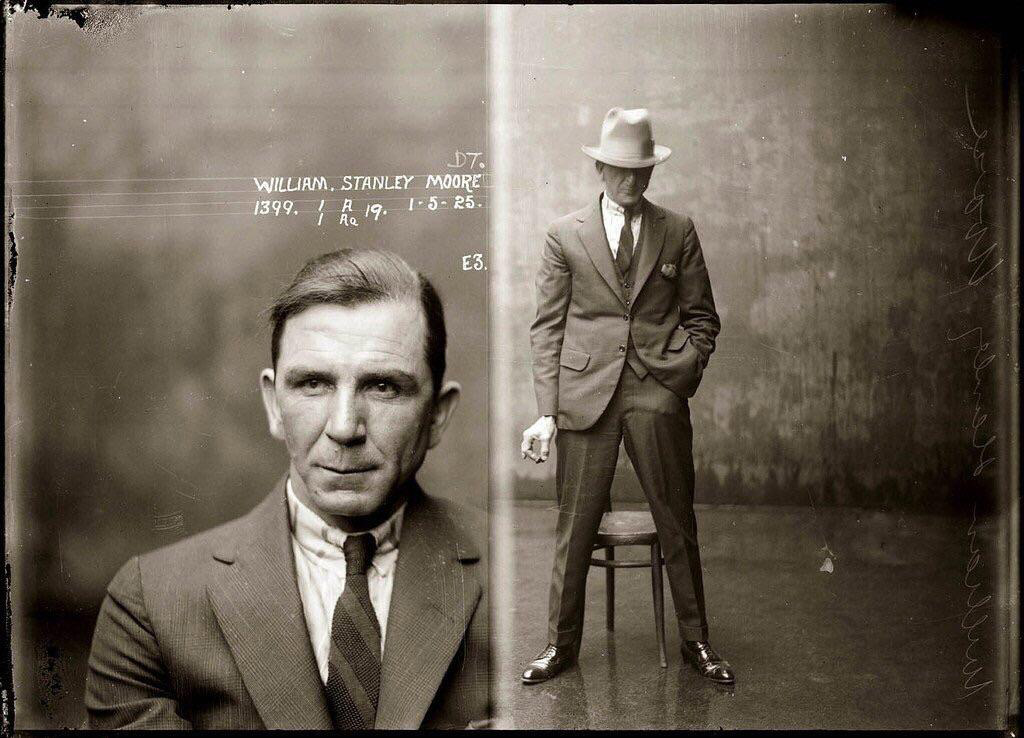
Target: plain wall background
[
  {"x": 137, "y": 342},
  {"x": 825, "y": 155}
]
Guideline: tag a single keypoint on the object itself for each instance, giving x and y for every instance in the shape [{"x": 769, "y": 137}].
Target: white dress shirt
[
  {"x": 614, "y": 216},
  {"x": 320, "y": 566}
]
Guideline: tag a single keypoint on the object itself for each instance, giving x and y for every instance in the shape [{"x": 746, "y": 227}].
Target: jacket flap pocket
[
  {"x": 677, "y": 340},
  {"x": 574, "y": 359}
]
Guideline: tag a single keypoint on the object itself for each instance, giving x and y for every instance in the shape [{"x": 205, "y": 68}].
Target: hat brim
[{"x": 661, "y": 153}]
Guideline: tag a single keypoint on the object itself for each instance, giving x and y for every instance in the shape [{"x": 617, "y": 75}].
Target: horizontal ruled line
[
  {"x": 226, "y": 179},
  {"x": 219, "y": 202},
  {"x": 261, "y": 217},
  {"x": 236, "y": 192}
]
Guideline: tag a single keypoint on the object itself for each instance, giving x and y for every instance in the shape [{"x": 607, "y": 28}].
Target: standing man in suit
[
  {"x": 625, "y": 325},
  {"x": 348, "y": 598}
]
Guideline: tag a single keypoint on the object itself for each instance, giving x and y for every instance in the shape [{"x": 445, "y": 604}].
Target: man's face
[
  {"x": 625, "y": 186},
  {"x": 352, "y": 399}
]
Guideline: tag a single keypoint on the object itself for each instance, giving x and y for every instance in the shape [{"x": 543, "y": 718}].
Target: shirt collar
[
  {"x": 325, "y": 542},
  {"x": 610, "y": 206}
]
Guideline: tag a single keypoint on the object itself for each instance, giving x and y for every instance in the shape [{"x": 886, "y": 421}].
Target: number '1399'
[{"x": 274, "y": 207}]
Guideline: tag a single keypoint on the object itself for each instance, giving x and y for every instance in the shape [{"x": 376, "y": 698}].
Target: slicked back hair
[{"x": 350, "y": 277}]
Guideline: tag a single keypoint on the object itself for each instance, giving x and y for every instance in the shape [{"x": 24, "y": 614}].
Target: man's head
[
  {"x": 357, "y": 389},
  {"x": 625, "y": 186},
  {"x": 627, "y": 154}
]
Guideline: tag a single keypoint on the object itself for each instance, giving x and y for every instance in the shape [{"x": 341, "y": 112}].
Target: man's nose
[
  {"x": 346, "y": 424},
  {"x": 630, "y": 178}
]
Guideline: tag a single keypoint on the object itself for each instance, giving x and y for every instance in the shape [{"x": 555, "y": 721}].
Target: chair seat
[{"x": 627, "y": 528}]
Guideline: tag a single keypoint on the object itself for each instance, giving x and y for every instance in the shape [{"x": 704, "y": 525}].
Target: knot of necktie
[
  {"x": 359, "y": 550},
  {"x": 624, "y": 255}
]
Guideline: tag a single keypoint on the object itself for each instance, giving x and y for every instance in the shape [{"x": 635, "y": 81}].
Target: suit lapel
[
  {"x": 652, "y": 241},
  {"x": 431, "y": 604},
  {"x": 592, "y": 235},
  {"x": 256, "y": 599}
]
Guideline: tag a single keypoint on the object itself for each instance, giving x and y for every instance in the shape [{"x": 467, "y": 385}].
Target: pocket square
[{"x": 668, "y": 271}]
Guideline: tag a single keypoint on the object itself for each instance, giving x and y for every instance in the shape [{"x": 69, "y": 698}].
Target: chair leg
[
  {"x": 659, "y": 601},
  {"x": 609, "y": 588}
]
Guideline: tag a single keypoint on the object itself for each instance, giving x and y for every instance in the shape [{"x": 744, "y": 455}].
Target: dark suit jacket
[
  {"x": 210, "y": 632},
  {"x": 579, "y": 337}
]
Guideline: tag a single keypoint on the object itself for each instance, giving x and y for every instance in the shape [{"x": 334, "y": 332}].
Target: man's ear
[
  {"x": 269, "y": 392},
  {"x": 444, "y": 406}
]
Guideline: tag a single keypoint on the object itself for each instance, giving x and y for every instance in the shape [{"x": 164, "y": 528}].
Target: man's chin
[{"x": 347, "y": 503}]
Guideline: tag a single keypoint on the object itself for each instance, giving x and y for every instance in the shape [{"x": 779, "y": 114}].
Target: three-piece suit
[{"x": 616, "y": 356}]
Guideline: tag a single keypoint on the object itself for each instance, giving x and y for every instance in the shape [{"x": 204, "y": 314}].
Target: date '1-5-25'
[{"x": 459, "y": 202}]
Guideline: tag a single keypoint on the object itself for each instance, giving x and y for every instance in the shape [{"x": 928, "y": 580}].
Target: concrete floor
[{"x": 875, "y": 644}]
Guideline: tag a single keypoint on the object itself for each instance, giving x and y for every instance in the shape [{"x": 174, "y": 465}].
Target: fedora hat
[{"x": 626, "y": 140}]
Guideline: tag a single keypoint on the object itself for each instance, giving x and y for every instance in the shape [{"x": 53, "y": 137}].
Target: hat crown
[
  {"x": 627, "y": 133},
  {"x": 627, "y": 140}
]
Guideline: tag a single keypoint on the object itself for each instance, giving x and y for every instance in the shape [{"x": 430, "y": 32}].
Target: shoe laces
[
  {"x": 547, "y": 652},
  {"x": 702, "y": 649}
]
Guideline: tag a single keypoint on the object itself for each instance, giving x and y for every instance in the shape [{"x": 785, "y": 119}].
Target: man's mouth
[{"x": 348, "y": 469}]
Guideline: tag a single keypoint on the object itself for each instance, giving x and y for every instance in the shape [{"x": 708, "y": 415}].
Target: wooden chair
[{"x": 632, "y": 528}]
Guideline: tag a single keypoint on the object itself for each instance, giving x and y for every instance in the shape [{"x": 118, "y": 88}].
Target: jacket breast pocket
[{"x": 573, "y": 359}]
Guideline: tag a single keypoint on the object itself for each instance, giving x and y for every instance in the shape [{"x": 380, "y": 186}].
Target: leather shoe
[
  {"x": 551, "y": 661},
  {"x": 709, "y": 664}
]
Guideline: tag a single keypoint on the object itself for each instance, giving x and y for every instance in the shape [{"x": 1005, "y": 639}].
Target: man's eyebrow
[
  {"x": 297, "y": 373},
  {"x": 396, "y": 375}
]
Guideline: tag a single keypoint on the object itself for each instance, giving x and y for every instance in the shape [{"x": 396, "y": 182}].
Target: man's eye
[
  {"x": 385, "y": 388},
  {"x": 312, "y": 384}
]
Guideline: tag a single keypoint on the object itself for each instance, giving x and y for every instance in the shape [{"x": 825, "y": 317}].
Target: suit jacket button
[
  {"x": 625, "y": 317},
  {"x": 622, "y": 349}
]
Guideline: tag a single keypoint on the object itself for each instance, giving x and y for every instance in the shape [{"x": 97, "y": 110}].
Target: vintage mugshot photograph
[
  {"x": 246, "y": 384},
  {"x": 754, "y": 313},
  {"x": 511, "y": 367}
]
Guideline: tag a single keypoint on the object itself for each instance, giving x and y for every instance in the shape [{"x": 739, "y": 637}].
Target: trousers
[{"x": 655, "y": 424}]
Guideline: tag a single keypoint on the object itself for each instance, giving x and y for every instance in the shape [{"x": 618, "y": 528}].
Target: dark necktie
[
  {"x": 353, "y": 669},
  {"x": 624, "y": 256},
  {"x": 624, "y": 259}
]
